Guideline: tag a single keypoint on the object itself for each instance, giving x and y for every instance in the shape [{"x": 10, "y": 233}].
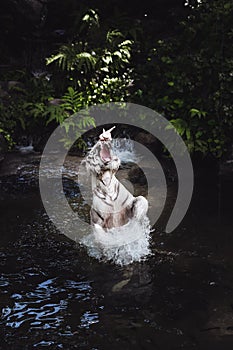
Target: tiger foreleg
[
  {"x": 96, "y": 217},
  {"x": 140, "y": 207}
]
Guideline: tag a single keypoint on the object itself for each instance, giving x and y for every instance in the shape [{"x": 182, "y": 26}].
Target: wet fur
[{"x": 113, "y": 205}]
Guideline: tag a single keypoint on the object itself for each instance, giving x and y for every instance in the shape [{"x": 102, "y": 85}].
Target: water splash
[
  {"x": 123, "y": 148},
  {"x": 126, "y": 244},
  {"x": 117, "y": 244}
]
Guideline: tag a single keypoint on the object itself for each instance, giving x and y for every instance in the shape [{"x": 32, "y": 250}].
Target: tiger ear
[
  {"x": 103, "y": 130},
  {"x": 111, "y": 128}
]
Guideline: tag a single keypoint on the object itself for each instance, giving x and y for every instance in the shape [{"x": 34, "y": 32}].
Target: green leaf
[
  {"x": 194, "y": 111},
  {"x": 188, "y": 134}
]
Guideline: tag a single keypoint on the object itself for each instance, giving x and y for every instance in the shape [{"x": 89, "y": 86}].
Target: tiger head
[{"x": 101, "y": 157}]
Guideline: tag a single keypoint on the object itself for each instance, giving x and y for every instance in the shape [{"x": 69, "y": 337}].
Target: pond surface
[{"x": 55, "y": 296}]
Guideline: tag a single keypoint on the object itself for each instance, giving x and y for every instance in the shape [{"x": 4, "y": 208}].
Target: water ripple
[{"x": 44, "y": 307}]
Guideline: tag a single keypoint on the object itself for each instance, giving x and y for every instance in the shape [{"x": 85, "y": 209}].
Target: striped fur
[{"x": 113, "y": 205}]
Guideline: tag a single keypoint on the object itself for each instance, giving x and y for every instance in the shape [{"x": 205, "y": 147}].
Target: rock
[
  {"x": 6, "y": 87},
  {"x": 12, "y": 84},
  {"x": 56, "y": 101},
  {"x": 136, "y": 175},
  {"x": 118, "y": 286},
  {"x": 149, "y": 141},
  {"x": 145, "y": 138}
]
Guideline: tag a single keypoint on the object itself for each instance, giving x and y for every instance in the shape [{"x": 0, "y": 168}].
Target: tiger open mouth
[{"x": 105, "y": 153}]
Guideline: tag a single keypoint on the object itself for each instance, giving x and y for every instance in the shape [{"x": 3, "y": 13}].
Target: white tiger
[{"x": 113, "y": 205}]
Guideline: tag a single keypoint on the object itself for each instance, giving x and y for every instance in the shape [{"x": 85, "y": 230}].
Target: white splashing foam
[
  {"x": 124, "y": 149},
  {"x": 121, "y": 245}
]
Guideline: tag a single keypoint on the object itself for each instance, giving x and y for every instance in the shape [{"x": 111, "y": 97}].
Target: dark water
[{"x": 54, "y": 296}]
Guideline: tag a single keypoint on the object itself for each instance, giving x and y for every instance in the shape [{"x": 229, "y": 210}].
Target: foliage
[
  {"x": 183, "y": 71},
  {"x": 72, "y": 103},
  {"x": 23, "y": 105},
  {"x": 92, "y": 72},
  {"x": 189, "y": 77},
  {"x": 100, "y": 72}
]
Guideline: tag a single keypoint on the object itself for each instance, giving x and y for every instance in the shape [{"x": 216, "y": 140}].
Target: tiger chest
[{"x": 112, "y": 204}]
